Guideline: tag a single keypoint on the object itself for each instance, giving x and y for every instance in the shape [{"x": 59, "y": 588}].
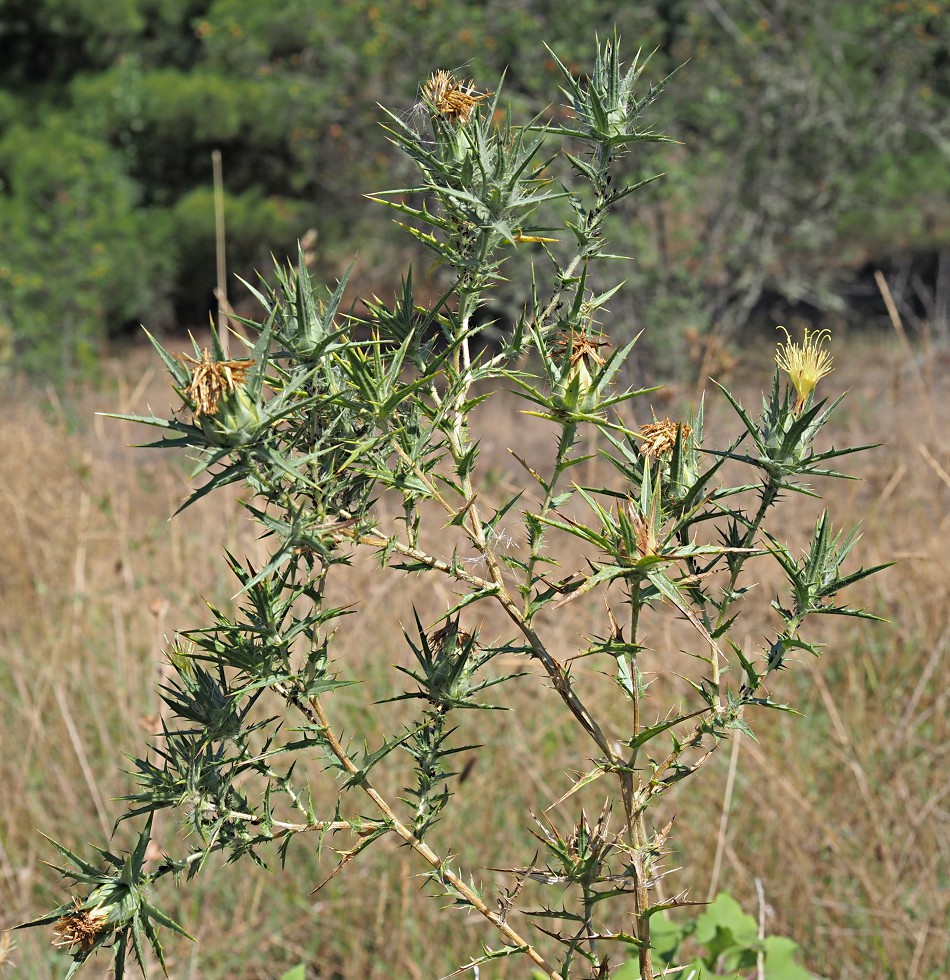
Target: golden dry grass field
[{"x": 843, "y": 814}]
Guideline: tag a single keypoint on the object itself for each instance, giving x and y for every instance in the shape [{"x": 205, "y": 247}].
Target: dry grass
[{"x": 843, "y": 815}]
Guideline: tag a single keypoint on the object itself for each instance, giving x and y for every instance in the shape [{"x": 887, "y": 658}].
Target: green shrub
[
  {"x": 77, "y": 252},
  {"x": 721, "y": 942}
]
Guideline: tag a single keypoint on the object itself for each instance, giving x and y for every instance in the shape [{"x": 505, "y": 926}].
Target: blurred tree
[
  {"x": 815, "y": 138},
  {"x": 808, "y": 130},
  {"x": 77, "y": 251}
]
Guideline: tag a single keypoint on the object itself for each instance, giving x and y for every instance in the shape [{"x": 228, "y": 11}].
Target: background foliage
[{"x": 814, "y": 145}]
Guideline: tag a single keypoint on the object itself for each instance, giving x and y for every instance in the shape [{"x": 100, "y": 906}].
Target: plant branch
[{"x": 314, "y": 712}]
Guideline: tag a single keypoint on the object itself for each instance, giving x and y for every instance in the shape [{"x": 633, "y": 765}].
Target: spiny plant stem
[
  {"x": 555, "y": 671},
  {"x": 564, "y": 445},
  {"x": 769, "y": 495},
  {"x": 315, "y": 713}
]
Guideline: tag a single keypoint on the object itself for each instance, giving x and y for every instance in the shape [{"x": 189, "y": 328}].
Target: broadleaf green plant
[
  {"x": 334, "y": 422},
  {"x": 726, "y": 943}
]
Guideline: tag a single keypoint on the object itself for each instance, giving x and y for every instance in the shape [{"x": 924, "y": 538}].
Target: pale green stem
[
  {"x": 565, "y": 443},
  {"x": 769, "y": 494},
  {"x": 633, "y": 810},
  {"x": 313, "y": 710}
]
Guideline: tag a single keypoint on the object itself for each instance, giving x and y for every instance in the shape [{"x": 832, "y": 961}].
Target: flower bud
[
  {"x": 574, "y": 389},
  {"x": 237, "y": 422}
]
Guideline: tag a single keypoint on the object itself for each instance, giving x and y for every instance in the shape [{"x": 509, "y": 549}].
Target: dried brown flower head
[
  {"x": 584, "y": 348},
  {"x": 576, "y": 389},
  {"x": 644, "y": 537},
  {"x": 659, "y": 438},
  {"x": 451, "y": 99},
  {"x": 78, "y": 929},
  {"x": 449, "y": 638},
  {"x": 210, "y": 379}
]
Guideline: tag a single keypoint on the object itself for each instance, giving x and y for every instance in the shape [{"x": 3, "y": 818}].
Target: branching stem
[{"x": 314, "y": 712}]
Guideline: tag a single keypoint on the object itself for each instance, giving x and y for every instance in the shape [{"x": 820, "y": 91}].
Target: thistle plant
[{"x": 336, "y": 420}]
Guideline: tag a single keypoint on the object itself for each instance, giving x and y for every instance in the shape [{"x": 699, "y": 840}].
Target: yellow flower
[{"x": 806, "y": 363}]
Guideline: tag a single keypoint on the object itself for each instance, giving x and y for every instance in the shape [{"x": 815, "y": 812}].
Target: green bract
[{"x": 236, "y": 423}]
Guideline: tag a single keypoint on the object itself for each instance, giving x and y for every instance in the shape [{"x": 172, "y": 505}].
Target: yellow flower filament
[{"x": 806, "y": 363}]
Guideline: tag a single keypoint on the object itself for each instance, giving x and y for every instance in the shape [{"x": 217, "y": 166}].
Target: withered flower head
[
  {"x": 449, "y": 638},
  {"x": 659, "y": 438},
  {"x": 210, "y": 379},
  {"x": 583, "y": 347},
  {"x": 78, "y": 929},
  {"x": 644, "y": 538},
  {"x": 806, "y": 363},
  {"x": 452, "y": 100},
  {"x": 577, "y": 381}
]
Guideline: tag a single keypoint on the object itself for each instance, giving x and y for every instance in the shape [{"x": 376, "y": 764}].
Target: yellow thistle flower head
[{"x": 806, "y": 363}]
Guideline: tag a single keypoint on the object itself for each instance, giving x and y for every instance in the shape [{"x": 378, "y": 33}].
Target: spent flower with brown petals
[
  {"x": 450, "y": 99},
  {"x": 78, "y": 929},
  {"x": 583, "y": 347},
  {"x": 644, "y": 536},
  {"x": 659, "y": 438},
  {"x": 450, "y": 639},
  {"x": 210, "y": 379}
]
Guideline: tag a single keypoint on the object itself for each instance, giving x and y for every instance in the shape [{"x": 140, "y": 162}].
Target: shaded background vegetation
[{"x": 814, "y": 147}]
